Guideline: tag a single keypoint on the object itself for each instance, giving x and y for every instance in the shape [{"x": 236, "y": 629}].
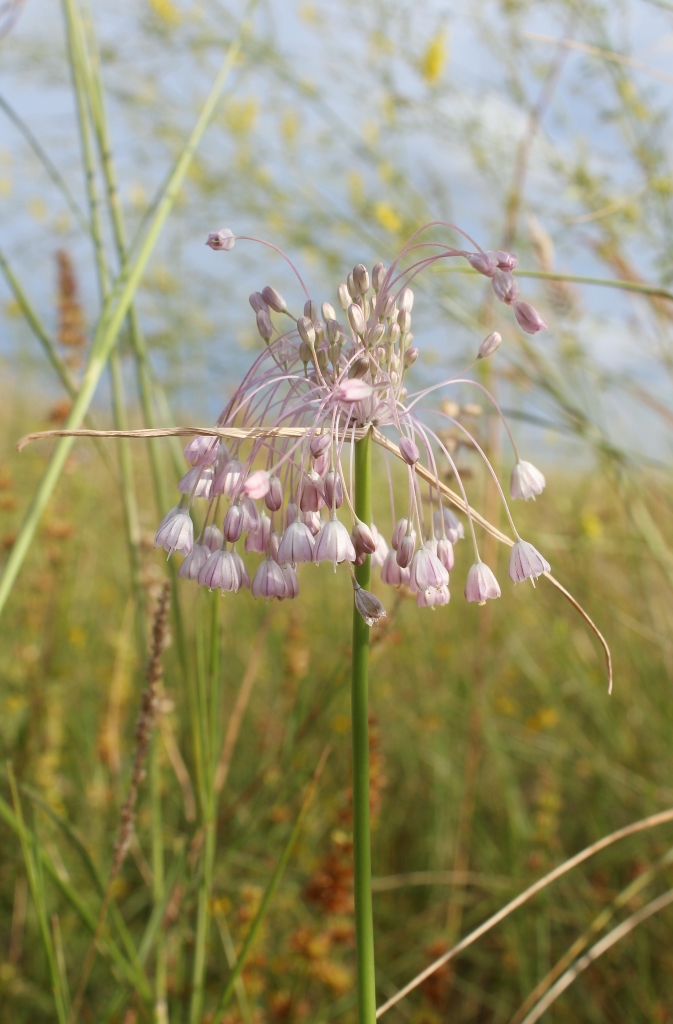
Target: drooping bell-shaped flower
[
  {"x": 194, "y": 562},
  {"x": 526, "y": 562},
  {"x": 296, "y": 544},
  {"x": 176, "y": 533},
  {"x": 433, "y": 598},
  {"x": 269, "y": 580},
  {"x": 197, "y": 481},
  {"x": 257, "y": 540},
  {"x": 334, "y": 544},
  {"x": 228, "y": 479},
  {"x": 291, "y": 582},
  {"x": 202, "y": 450},
  {"x": 481, "y": 584},
  {"x": 392, "y": 573},
  {"x": 250, "y": 514},
  {"x": 427, "y": 572},
  {"x": 213, "y": 538},
  {"x": 221, "y": 572},
  {"x": 526, "y": 481}
]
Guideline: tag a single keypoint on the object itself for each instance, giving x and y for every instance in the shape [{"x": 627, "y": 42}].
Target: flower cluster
[{"x": 281, "y": 488}]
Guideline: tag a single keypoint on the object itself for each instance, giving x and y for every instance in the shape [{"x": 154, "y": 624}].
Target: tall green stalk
[{"x": 362, "y": 858}]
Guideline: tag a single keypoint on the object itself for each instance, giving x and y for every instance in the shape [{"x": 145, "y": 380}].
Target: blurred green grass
[{"x": 555, "y": 763}]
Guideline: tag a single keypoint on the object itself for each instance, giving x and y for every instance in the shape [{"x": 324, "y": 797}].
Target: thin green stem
[
  {"x": 113, "y": 316},
  {"x": 158, "y": 883},
  {"x": 362, "y": 859},
  {"x": 603, "y": 282}
]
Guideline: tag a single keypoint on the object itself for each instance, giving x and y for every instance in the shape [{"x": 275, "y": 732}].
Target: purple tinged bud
[
  {"x": 350, "y": 284},
  {"x": 489, "y": 345},
  {"x": 201, "y": 451},
  {"x": 361, "y": 278},
  {"x": 258, "y": 302},
  {"x": 401, "y": 528},
  {"x": 353, "y": 390},
  {"x": 176, "y": 532},
  {"x": 359, "y": 367},
  {"x": 319, "y": 444},
  {"x": 257, "y": 484},
  {"x": 333, "y": 490},
  {"x": 409, "y": 451},
  {"x": 376, "y": 334},
  {"x": 484, "y": 262},
  {"x": 213, "y": 538},
  {"x": 481, "y": 584},
  {"x": 453, "y": 528},
  {"x": 389, "y": 309},
  {"x": 234, "y": 523},
  {"x": 368, "y": 605},
  {"x": 392, "y": 573},
  {"x": 525, "y": 562},
  {"x": 356, "y": 319},
  {"x": 378, "y": 276},
  {"x": 333, "y": 544},
  {"x": 526, "y": 481},
  {"x": 296, "y": 544},
  {"x": 228, "y": 479},
  {"x": 222, "y": 240},
  {"x": 344, "y": 297},
  {"x": 312, "y": 493},
  {"x": 269, "y": 580},
  {"x": 264, "y": 325},
  {"x": 194, "y": 562},
  {"x": 394, "y": 333},
  {"x": 504, "y": 260},
  {"x": 321, "y": 465},
  {"x": 274, "y": 299},
  {"x": 427, "y": 572},
  {"x": 274, "y": 496},
  {"x": 250, "y": 514},
  {"x": 528, "y": 317},
  {"x": 363, "y": 539},
  {"x": 505, "y": 287},
  {"x": 332, "y": 329},
  {"x": 313, "y": 521},
  {"x": 311, "y": 310},
  {"x": 405, "y": 549},
  {"x": 445, "y": 553},
  {"x": 404, "y": 320},
  {"x": 410, "y": 356},
  {"x": 306, "y": 331}
]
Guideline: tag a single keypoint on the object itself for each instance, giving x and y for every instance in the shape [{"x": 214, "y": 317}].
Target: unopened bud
[
  {"x": 305, "y": 353},
  {"x": 405, "y": 549},
  {"x": 333, "y": 490},
  {"x": 361, "y": 278},
  {"x": 406, "y": 300},
  {"x": 395, "y": 365},
  {"x": 490, "y": 344},
  {"x": 319, "y": 444},
  {"x": 504, "y": 260},
  {"x": 528, "y": 318},
  {"x": 368, "y": 605},
  {"x": 505, "y": 287},
  {"x": 321, "y": 359},
  {"x": 363, "y": 538},
  {"x": 376, "y": 334},
  {"x": 328, "y": 311},
  {"x": 223, "y": 240},
  {"x": 264, "y": 325},
  {"x": 409, "y": 451},
  {"x": 388, "y": 307},
  {"x": 331, "y": 326},
  {"x": 404, "y": 320},
  {"x": 344, "y": 296},
  {"x": 358, "y": 367},
  {"x": 258, "y": 302},
  {"x": 394, "y": 333},
  {"x": 274, "y": 496},
  {"x": 306, "y": 330},
  {"x": 483, "y": 262},
  {"x": 408, "y": 338},
  {"x": 378, "y": 276},
  {"x": 311, "y": 310},
  {"x": 319, "y": 331},
  {"x": 233, "y": 523},
  {"x": 352, "y": 288},
  {"x": 356, "y": 318},
  {"x": 274, "y": 299}
]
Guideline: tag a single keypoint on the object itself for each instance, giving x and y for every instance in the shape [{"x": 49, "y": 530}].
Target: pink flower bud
[
  {"x": 312, "y": 493},
  {"x": 233, "y": 523},
  {"x": 404, "y": 320},
  {"x": 405, "y": 549},
  {"x": 481, "y": 584},
  {"x": 344, "y": 297},
  {"x": 333, "y": 490},
  {"x": 401, "y": 527},
  {"x": 528, "y": 317},
  {"x": 526, "y": 481},
  {"x": 202, "y": 451},
  {"x": 445, "y": 553},
  {"x": 378, "y": 276},
  {"x": 489, "y": 345},
  {"x": 406, "y": 300},
  {"x": 504, "y": 260},
  {"x": 368, "y": 605},
  {"x": 525, "y": 562},
  {"x": 221, "y": 240},
  {"x": 311, "y": 310},
  {"x": 389, "y": 309},
  {"x": 409, "y": 451},
  {"x": 321, "y": 464},
  {"x": 319, "y": 444},
  {"x": 363, "y": 539},
  {"x": 410, "y": 356},
  {"x": 505, "y": 287},
  {"x": 258, "y": 302},
  {"x": 361, "y": 278},
  {"x": 484, "y": 262},
  {"x": 353, "y": 389},
  {"x": 264, "y": 325},
  {"x": 274, "y": 496},
  {"x": 274, "y": 299},
  {"x": 257, "y": 484},
  {"x": 392, "y": 573}
]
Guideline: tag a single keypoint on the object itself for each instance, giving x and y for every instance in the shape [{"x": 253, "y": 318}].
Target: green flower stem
[
  {"x": 114, "y": 313},
  {"x": 602, "y": 282},
  {"x": 362, "y": 860}
]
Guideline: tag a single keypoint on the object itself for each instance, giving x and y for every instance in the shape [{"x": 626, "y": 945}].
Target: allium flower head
[{"x": 318, "y": 385}]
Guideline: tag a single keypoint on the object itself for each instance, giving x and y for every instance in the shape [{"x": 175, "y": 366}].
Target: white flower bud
[
  {"x": 344, "y": 296},
  {"x": 404, "y": 320},
  {"x": 410, "y": 357},
  {"x": 306, "y": 330},
  {"x": 274, "y": 299},
  {"x": 489, "y": 345},
  {"x": 406, "y": 300},
  {"x": 388, "y": 307},
  {"x": 328, "y": 312},
  {"x": 378, "y": 276},
  {"x": 376, "y": 334},
  {"x": 394, "y": 333},
  {"x": 352, "y": 288},
  {"x": 356, "y": 318},
  {"x": 311, "y": 309},
  {"x": 361, "y": 278}
]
